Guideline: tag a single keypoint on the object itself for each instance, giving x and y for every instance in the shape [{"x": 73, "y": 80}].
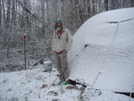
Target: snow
[
  {"x": 26, "y": 86},
  {"x": 106, "y": 64}
]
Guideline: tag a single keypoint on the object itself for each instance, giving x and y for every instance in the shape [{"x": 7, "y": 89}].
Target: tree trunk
[
  {"x": 113, "y": 4},
  {"x": 99, "y": 6},
  {"x": 13, "y": 20},
  {"x": 93, "y": 7},
  {"x": 132, "y": 3},
  {"x": 0, "y": 14},
  {"x": 43, "y": 15},
  {"x": 106, "y": 5},
  {"x": 8, "y": 14},
  {"x": 3, "y": 7}
]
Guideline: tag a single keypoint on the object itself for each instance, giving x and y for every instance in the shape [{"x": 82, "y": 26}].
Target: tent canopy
[{"x": 107, "y": 62}]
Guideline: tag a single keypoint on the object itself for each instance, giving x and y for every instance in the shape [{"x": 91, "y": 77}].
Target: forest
[{"x": 27, "y": 26}]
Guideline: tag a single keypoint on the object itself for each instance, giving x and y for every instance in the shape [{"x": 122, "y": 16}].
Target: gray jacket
[{"x": 63, "y": 43}]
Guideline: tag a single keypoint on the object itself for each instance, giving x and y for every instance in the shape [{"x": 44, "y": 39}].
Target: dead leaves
[
  {"x": 44, "y": 86},
  {"x": 52, "y": 93}
]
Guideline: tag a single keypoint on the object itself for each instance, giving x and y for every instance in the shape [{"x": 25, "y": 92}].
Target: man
[{"x": 61, "y": 43}]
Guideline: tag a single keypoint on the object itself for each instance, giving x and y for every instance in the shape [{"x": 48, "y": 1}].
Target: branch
[{"x": 25, "y": 8}]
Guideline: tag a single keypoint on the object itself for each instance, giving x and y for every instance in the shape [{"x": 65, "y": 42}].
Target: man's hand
[{"x": 65, "y": 51}]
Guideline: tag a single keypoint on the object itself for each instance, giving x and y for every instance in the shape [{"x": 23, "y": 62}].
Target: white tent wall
[{"x": 107, "y": 62}]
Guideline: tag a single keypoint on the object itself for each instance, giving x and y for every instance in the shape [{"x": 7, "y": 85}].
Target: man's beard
[{"x": 59, "y": 28}]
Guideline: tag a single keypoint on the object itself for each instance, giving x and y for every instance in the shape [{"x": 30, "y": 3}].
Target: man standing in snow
[{"x": 61, "y": 43}]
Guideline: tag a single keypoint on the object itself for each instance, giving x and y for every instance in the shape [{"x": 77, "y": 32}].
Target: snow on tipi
[{"x": 102, "y": 54}]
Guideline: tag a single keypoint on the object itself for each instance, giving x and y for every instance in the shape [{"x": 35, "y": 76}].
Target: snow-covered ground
[
  {"x": 27, "y": 85},
  {"x": 108, "y": 57}
]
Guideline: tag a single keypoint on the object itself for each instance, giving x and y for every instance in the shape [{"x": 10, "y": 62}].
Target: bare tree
[
  {"x": 0, "y": 13},
  {"x": 106, "y": 4},
  {"x": 13, "y": 20},
  {"x": 93, "y": 7},
  {"x": 43, "y": 15},
  {"x": 8, "y": 14},
  {"x": 132, "y": 3}
]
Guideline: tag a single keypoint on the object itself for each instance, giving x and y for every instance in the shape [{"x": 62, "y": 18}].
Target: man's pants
[{"x": 62, "y": 65}]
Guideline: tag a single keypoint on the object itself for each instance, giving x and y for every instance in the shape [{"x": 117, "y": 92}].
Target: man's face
[{"x": 58, "y": 24}]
